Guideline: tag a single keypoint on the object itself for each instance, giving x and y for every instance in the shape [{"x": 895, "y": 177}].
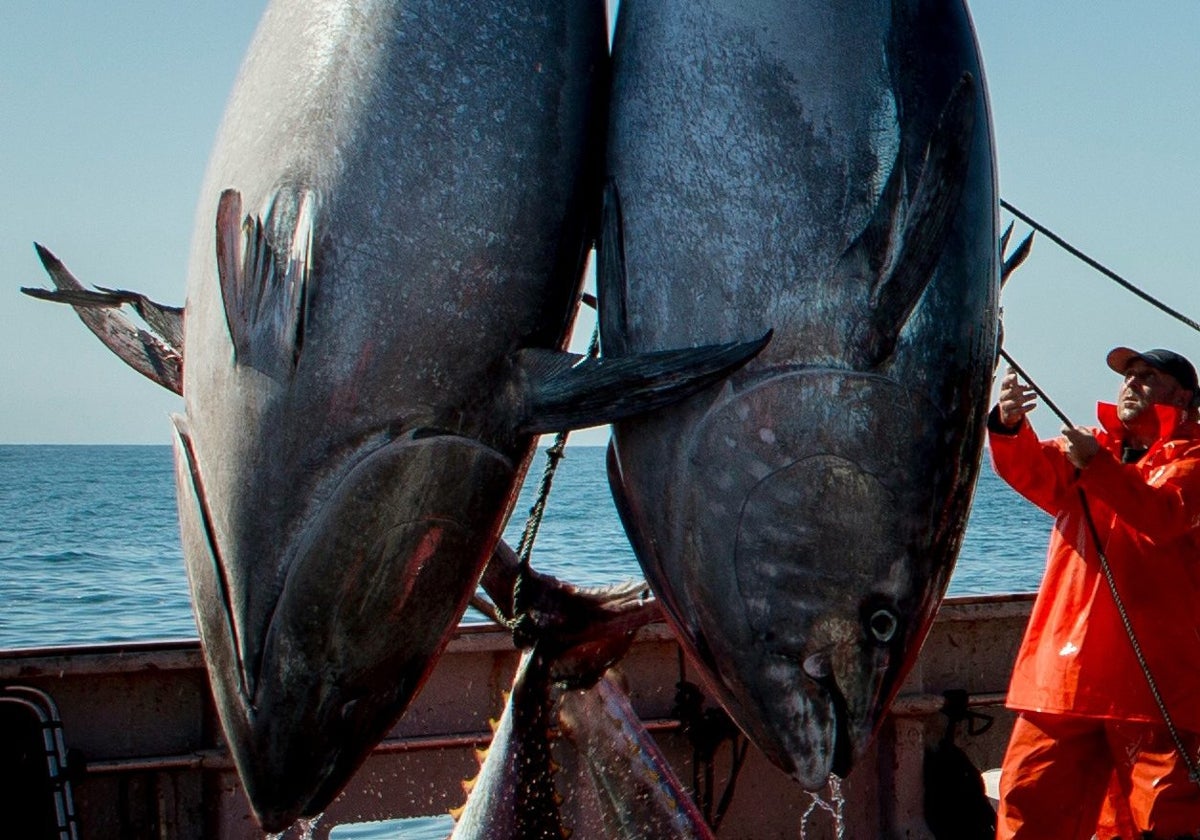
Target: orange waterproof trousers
[{"x": 1066, "y": 778}]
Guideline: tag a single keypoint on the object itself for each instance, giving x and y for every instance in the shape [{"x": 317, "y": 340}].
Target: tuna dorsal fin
[
  {"x": 904, "y": 241},
  {"x": 264, "y": 264},
  {"x": 156, "y": 354},
  {"x": 1004, "y": 237},
  {"x": 610, "y": 279},
  {"x": 1013, "y": 261},
  {"x": 563, "y": 391}
]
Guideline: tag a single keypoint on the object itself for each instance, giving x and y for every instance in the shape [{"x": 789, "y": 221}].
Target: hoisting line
[
  {"x": 1193, "y": 770},
  {"x": 521, "y": 624},
  {"x": 1041, "y": 394},
  {"x": 1107, "y": 272}
]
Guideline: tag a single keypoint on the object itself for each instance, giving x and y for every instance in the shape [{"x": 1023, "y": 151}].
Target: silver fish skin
[
  {"x": 403, "y": 194},
  {"x": 569, "y": 756},
  {"x": 825, "y": 171},
  {"x": 622, "y": 787},
  {"x": 576, "y": 763},
  {"x": 515, "y": 794}
]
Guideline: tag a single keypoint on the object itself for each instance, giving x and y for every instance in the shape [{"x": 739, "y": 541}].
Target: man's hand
[
  {"x": 1016, "y": 400},
  {"x": 1081, "y": 445}
]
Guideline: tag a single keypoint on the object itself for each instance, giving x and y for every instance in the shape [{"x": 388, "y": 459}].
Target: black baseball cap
[{"x": 1168, "y": 361}]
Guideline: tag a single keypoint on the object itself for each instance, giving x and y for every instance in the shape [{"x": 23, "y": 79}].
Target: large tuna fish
[
  {"x": 825, "y": 170},
  {"x": 389, "y": 247}
]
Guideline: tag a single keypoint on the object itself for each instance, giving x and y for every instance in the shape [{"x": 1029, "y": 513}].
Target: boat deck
[{"x": 141, "y": 717}]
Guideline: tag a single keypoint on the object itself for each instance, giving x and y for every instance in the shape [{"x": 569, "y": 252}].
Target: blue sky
[{"x": 108, "y": 111}]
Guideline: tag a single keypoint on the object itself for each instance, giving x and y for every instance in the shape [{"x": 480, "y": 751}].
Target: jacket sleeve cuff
[{"x": 997, "y": 428}]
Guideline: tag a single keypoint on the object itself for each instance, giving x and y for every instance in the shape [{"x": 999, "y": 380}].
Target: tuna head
[
  {"x": 803, "y": 561},
  {"x": 319, "y": 627}
]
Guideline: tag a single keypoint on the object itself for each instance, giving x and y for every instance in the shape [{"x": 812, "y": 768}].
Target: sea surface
[
  {"x": 89, "y": 542},
  {"x": 90, "y": 552}
]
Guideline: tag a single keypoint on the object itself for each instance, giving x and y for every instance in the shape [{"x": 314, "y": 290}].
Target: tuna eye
[{"x": 883, "y": 624}]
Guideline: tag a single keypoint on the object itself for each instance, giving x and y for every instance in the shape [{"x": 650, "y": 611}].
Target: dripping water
[
  {"x": 301, "y": 829},
  {"x": 835, "y": 807}
]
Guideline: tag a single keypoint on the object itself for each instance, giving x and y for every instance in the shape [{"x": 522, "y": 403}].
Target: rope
[
  {"x": 1193, "y": 770},
  {"x": 522, "y": 623},
  {"x": 1041, "y": 394},
  {"x": 1107, "y": 272}
]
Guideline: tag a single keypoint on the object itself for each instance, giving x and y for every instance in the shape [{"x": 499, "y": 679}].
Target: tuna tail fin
[
  {"x": 903, "y": 243},
  {"x": 264, "y": 264},
  {"x": 165, "y": 320},
  {"x": 156, "y": 354},
  {"x": 565, "y": 391}
]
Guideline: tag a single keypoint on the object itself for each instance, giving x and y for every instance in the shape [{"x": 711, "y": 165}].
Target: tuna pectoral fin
[
  {"x": 903, "y": 244},
  {"x": 564, "y": 393},
  {"x": 157, "y": 357},
  {"x": 610, "y": 273},
  {"x": 265, "y": 268},
  {"x": 207, "y": 576}
]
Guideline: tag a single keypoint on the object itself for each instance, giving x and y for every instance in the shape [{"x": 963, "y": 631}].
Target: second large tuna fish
[{"x": 824, "y": 170}]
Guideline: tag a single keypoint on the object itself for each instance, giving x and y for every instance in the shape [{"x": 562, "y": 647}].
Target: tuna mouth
[
  {"x": 311, "y": 668},
  {"x": 843, "y": 749},
  {"x": 818, "y": 668}
]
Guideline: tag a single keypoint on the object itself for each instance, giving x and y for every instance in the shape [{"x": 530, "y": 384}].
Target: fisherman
[{"x": 1090, "y": 731}]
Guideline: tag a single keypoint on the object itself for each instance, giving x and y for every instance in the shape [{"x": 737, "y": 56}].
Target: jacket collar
[{"x": 1172, "y": 422}]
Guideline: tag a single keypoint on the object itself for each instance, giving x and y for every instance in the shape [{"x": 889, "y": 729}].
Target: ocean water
[
  {"x": 89, "y": 546},
  {"x": 89, "y": 552}
]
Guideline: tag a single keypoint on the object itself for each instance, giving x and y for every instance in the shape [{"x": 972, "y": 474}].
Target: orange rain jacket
[{"x": 1076, "y": 657}]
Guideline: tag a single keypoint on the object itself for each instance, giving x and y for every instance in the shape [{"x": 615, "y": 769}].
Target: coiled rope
[{"x": 1188, "y": 759}]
